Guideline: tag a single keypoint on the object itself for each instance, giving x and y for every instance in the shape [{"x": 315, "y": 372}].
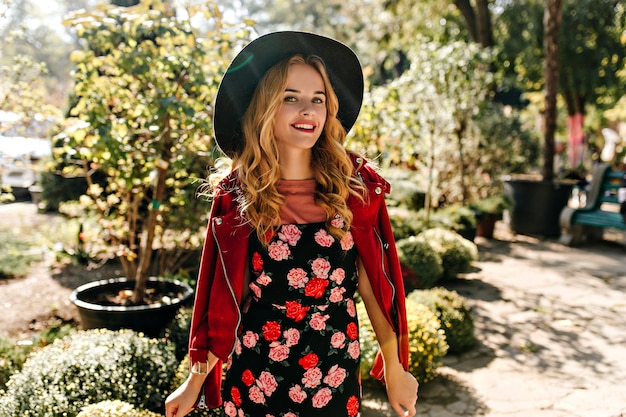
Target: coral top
[{"x": 300, "y": 207}]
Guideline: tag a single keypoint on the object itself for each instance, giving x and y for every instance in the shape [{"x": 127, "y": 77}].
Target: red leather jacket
[{"x": 217, "y": 314}]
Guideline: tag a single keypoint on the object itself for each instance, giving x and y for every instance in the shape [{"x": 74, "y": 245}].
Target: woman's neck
[{"x": 296, "y": 166}]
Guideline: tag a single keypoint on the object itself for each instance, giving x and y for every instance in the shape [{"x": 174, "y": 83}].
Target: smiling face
[{"x": 300, "y": 119}]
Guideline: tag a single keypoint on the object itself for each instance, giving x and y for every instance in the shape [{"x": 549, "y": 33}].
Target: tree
[
  {"x": 142, "y": 117},
  {"x": 552, "y": 25}
]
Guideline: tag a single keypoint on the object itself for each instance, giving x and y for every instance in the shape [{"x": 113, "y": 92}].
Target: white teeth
[{"x": 303, "y": 126}]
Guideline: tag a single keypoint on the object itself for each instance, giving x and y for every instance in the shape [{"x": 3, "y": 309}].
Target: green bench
[{"x": 601, "y": 210}]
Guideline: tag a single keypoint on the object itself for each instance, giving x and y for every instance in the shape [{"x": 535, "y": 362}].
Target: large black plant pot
[
  {"x": 150, "y": 319},
  {"x": 537, "y": 205}
]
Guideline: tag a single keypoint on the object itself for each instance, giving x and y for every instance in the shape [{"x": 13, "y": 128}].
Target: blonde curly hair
[{"x": 257, "y": 166}]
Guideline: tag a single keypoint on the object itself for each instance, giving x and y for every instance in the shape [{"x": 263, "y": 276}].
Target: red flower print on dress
[
  {"x": 296, "y": 394},
  {"x": 267, "y": 383},
  {"x": 292, "y": 337},
  {"x": 235, "y": 394},
  {"x": 323, "y": 238},
  {"x": 247, "y": 377},
  {"x": 353, "y": 406},
  {"x": 290, "y": 233},
  {"x": 347, "y": 241},
  {"x": 271, "y": 331},
  {"x": 257, "y": 261},
  {"x": 256, "y": 395},
  {"x": 336, "y": 294},
  {"x": 320, "y": 267},
  {"x": 351, "y": 307},
  {"x": 318, "y": 321},
  {"x": 354, "y": 349},
  {"x": 295, "y": 310},
  {"x": 297, "y": 278},
  {"x": 309, "y": 361},
  {"x": 322, "y": 397},
  {"x": 312, "y": 378},
  {"x": 338, "y": 275},
  {"x": 278, "y": 251},
  {"x": 352, "y": 331},
  {"x": 315, "y": 287},
  {"x": 229, "y": 409},
  {"x": 250, "y": 339},
  {"x": 335, "y": 377},
  {"x": 269, "y": 235},
  {"x": 278, "y": 352},
  {"x": 338, "y": 340}
]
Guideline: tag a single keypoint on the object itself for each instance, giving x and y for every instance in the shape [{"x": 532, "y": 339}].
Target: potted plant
[
  {"x": 140, "y": 118},
  {"x": 488, "y": 211}
]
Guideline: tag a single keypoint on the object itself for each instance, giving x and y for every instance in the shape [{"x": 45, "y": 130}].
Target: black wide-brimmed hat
[{"x": 250, "y": 65}]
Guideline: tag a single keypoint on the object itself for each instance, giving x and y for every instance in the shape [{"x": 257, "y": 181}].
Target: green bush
[
  {"x": 454, "y": 217},
  {"x": 114, "y": 408},
  {"x": 405, "y": 223},
  {"x": 453, "y": 313},
  {"x": 457, "y": 253},
  {"x": 177, "y": 332},
  {"x": 427, "y": 342},
  {"x": 14, "y": 257},
  {"x": 406, "y": 193},
  {"x": 420, "y": 257},
  {"x": 88, "y": 367}
]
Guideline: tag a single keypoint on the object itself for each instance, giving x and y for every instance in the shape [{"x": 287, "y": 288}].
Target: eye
[
  {"x": 290, "y": 99},
  {"x": 318, "y": 100}
]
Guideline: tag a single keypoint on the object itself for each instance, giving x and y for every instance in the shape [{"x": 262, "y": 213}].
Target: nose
[{"x": 307, "y": 109}]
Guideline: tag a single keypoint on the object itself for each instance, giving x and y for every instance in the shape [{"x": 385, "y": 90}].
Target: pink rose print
[
  {"x": 256, "y": 395},
  {"x": 351, "y": 307},
  {"x": 279, "y": 251},
  {"x": 297, "y": 278},
  {"x": 352, "y": 331},
  {"x": 271, "y": 331},
  {"x": 296, "y": 394},
  {"x": 255, "y": 289},
  {"x": 338, "y": 340},
  {"x": 318, "y": 322},
  {"x": 354, "y": 349},
  {"x": 250, "y": 339},
  {"x": 308, "y": 361},
  {"x": 336, "y": 294},
  {"x": 322, "y": 397},
  {"x": 338, "y": 275},
  {"x": 278, "y": 352},
  {"x": 257, "y": 261},
  {"x": 237, "y": 347},
  {"x": 229, "y": 409},
  {"x": 353, "y": 406},
  {"x": 292, "y": 337},
  {"x": 320, "y": 267},
  {"x": 289, "y": 414},
  {"x": 323, "y": 238},
  {"x": 315, "y": 287},
  {"x": 337, "y": 222},
  {"x": 347, "y": 241},
  {"x": 264, "y": 279},
  {"x": 236, "y": 396},
  {"x": 267, "y": 383},
  {"x": 290, "y": 234},
  {"x": 312, "y": 378},
  {"x": 335, "y": 377},
  {"x": 247, "y": 377},
  {"x": 295, "y": 310}
]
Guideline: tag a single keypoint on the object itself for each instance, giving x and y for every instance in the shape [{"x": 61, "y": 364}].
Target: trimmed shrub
[
  {"x": 457, "y": 253},
  {"x": 114, "y": 408},
  {"x": 89, "y": 367},
  {"x": 427, "y": 342},
  {"x": 405, "y": 223},
  {"x": 453, "y": 313},
  {"x": 15, "y": 260},
  {"x": 421, "y": 258}
]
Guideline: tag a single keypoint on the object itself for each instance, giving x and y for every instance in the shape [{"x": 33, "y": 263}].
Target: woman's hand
[
  {"x": 181, "y": 402},
  {"x": 401, "y": 390}
]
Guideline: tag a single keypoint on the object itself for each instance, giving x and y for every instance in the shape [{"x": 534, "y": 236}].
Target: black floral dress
[{"x": 298, "y": 353}]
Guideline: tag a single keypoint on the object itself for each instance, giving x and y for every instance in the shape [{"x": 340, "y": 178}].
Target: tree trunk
[
  {"x": 478, "y": 20},
  {"x": 551, "y": 26}
]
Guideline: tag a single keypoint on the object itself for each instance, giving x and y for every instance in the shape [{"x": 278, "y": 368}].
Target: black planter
[
  {"x": 537, "y": 205},
  {"x": 150, "y": 319}
]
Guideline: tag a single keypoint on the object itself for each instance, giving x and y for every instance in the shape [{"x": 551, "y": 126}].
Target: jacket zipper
[
  {"x": 382, "y": 267},
  {"x": 230, "y": 288}
]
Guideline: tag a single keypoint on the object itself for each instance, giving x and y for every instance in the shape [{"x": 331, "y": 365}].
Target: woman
[{"x": 296, "y": 228}]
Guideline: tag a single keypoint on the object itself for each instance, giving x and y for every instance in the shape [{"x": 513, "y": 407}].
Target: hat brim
[{"x": 250, "y": 65}]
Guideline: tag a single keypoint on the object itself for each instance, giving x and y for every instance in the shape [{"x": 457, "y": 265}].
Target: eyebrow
[{"x": 291, "y": 90}]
